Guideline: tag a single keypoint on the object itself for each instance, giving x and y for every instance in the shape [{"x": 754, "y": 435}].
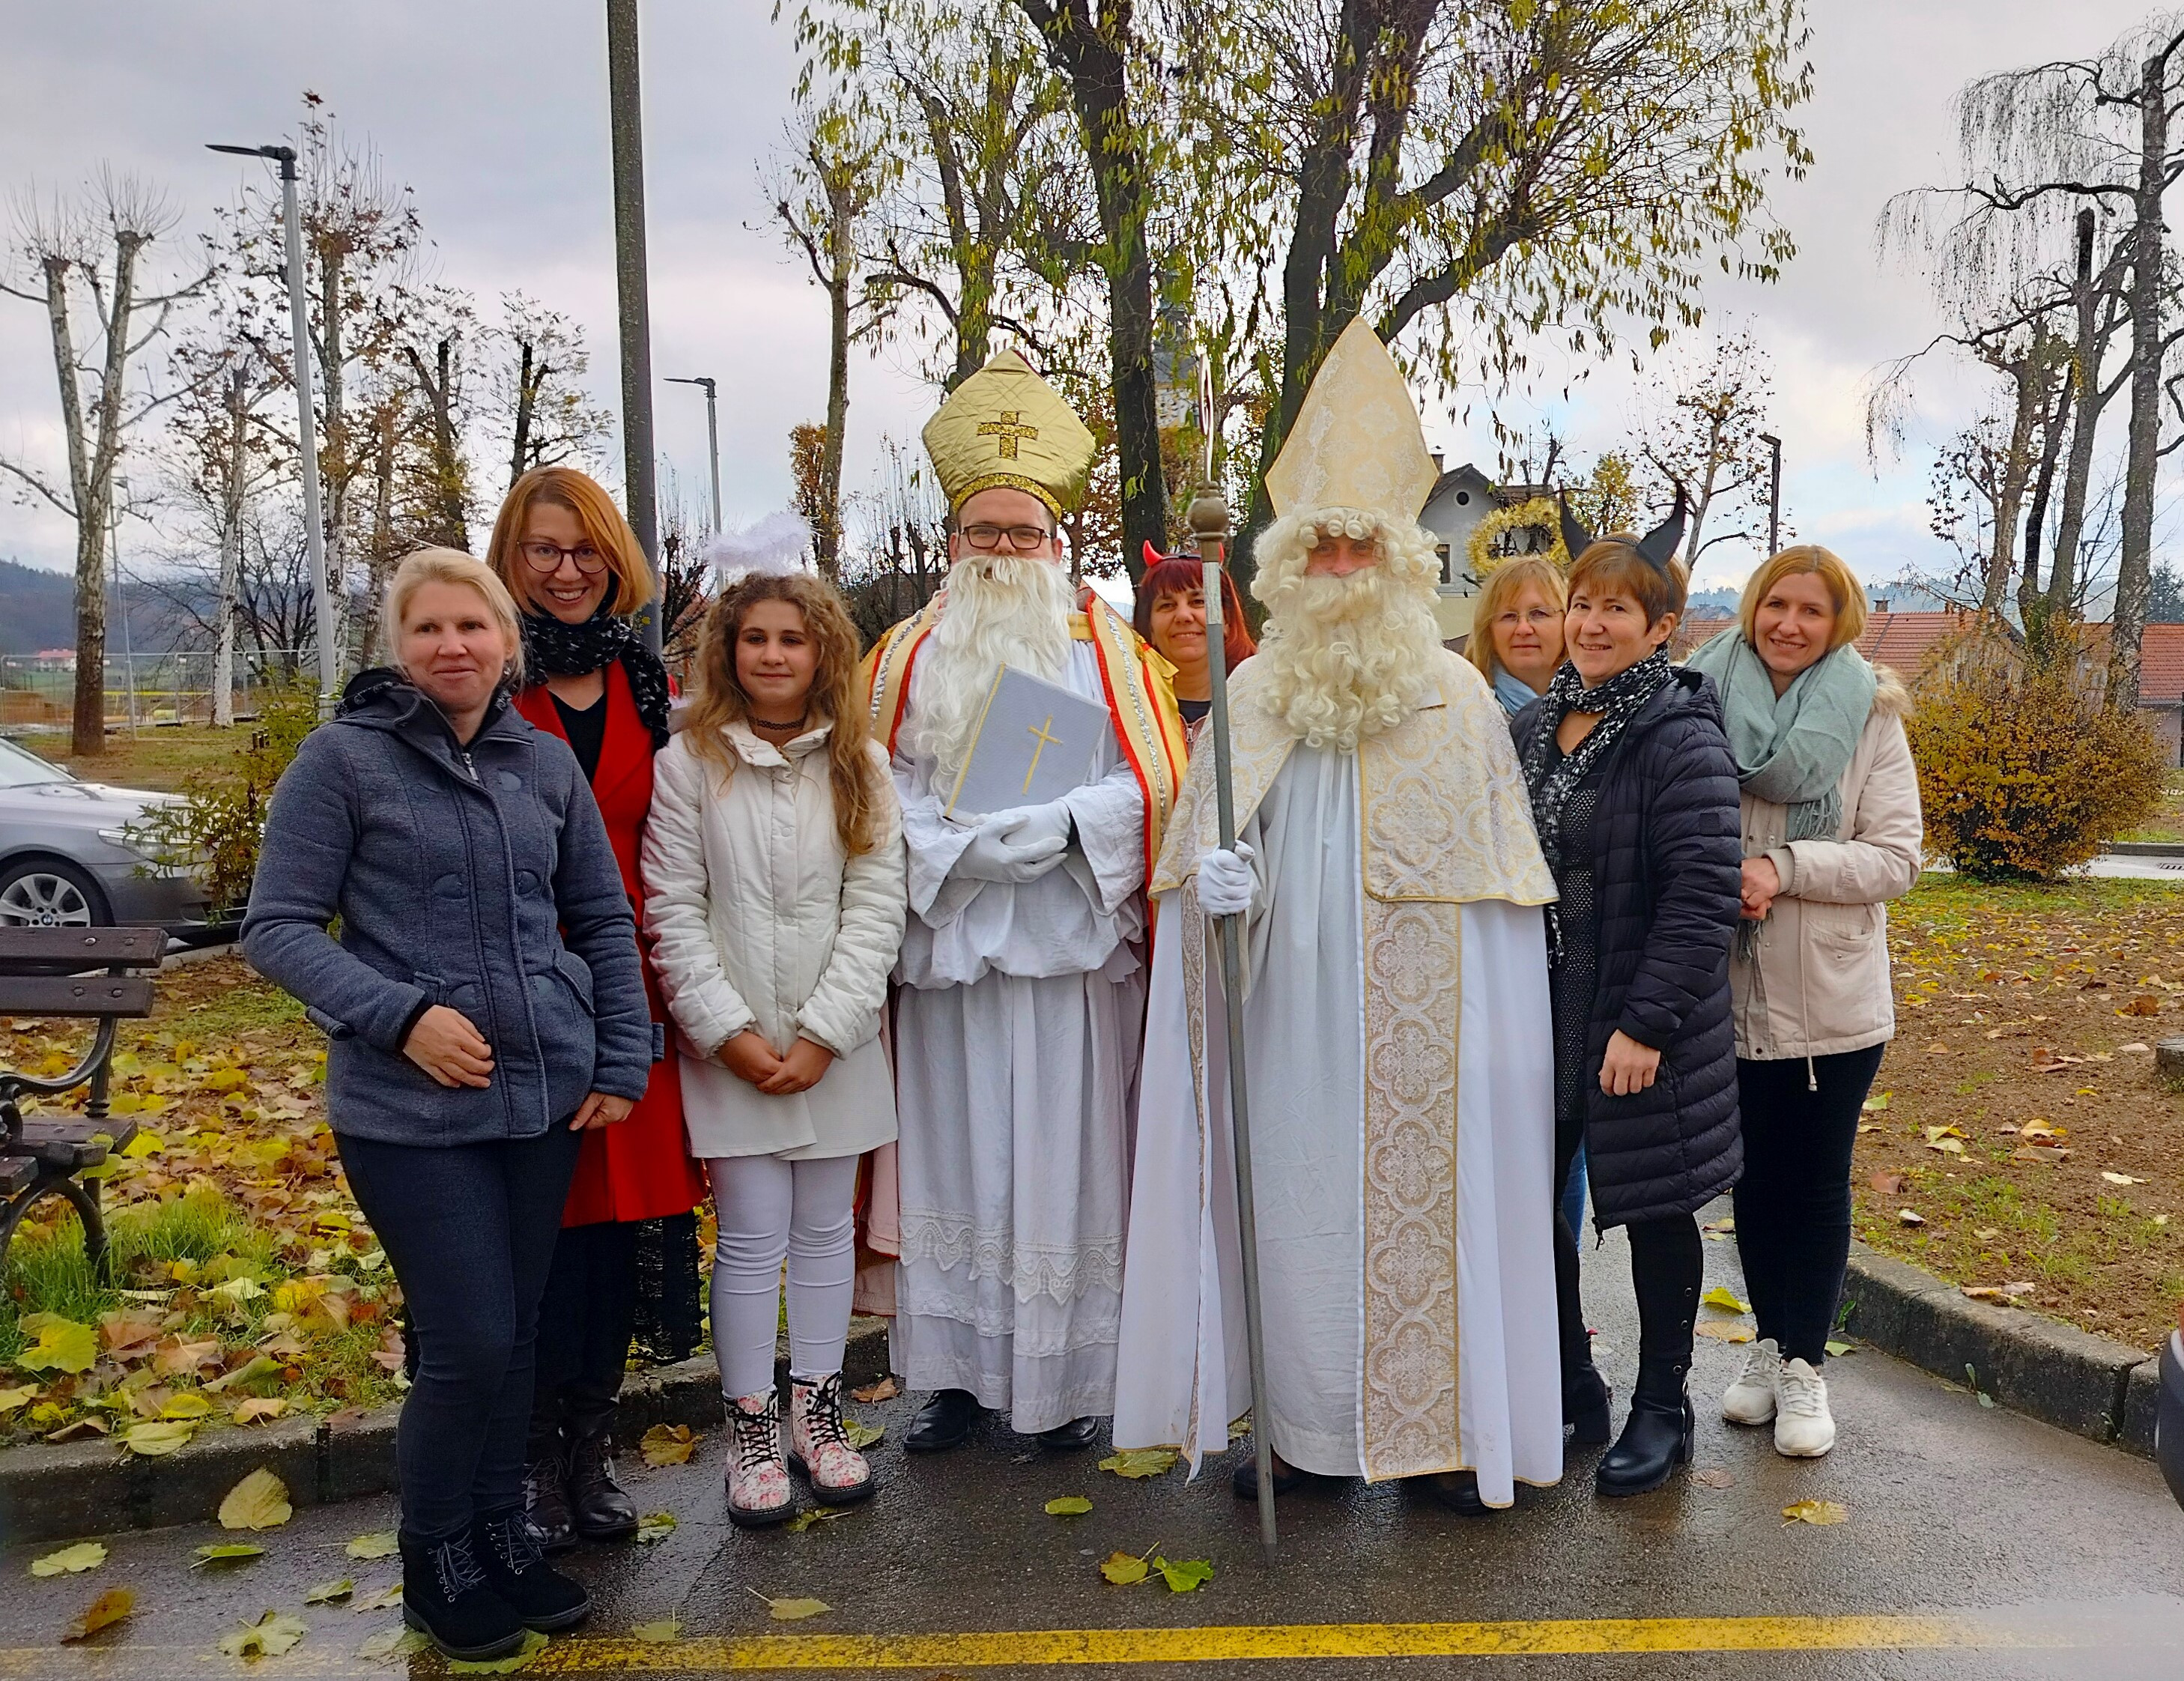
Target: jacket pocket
[
  {"x": 577, "y": 973},
  {"x": 326, "y": 1024}
]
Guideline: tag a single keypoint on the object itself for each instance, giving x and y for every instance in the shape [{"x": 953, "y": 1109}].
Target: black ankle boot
[
  {"x": 445, "y": 1596},
  {"x": 1586, "y": 1396},
  {"x": 546, "y": 1500},
  {"x": 1658, "y": 1436},
  {"x": 516, "y": 1568},
  {"x": 601, "y": 1509},
  {"x": 942, "y": 1423}
]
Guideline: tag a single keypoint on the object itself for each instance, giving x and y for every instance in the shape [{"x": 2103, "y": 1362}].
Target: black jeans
[
  {"x": 1793, "y": 1203},
  {"x": 1667, "y": 1261},
  {"x": 584, "y": 1321},
  {"x": 470, "y": 1229}
]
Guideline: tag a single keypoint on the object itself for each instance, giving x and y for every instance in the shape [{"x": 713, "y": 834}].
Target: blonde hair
[
  {"x": 604, "y": 528},
  {"x": 453, "y": 565},
  {"x": 1503, "y": 585},
  {"x": 1842, "y": 583},
  {"x": 719, "y": 700}
]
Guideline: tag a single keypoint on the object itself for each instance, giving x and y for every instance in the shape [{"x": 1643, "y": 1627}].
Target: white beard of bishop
[
  {"x": 1348, "y": 657},
  {"x": 1009, "y": 610}
]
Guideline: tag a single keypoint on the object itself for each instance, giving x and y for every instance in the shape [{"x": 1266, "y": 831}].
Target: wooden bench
[{"x": 82, "y": 973}]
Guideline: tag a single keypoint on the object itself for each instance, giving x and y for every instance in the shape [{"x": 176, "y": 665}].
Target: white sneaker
[
  {"x": 1803, "y": 1426},
  {"x": 1751, "y": 1398}
]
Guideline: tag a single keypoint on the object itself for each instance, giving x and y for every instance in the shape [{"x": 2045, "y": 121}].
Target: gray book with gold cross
[{"x": 1035, "y": 742}]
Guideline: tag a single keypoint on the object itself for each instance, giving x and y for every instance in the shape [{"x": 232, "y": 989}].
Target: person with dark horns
[
  {"x": 1634, "y": 793},
  {"x": 1171, "y": 616}
]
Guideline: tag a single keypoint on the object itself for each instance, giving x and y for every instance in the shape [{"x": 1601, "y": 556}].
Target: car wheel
[{"x": 46, "y": 893}]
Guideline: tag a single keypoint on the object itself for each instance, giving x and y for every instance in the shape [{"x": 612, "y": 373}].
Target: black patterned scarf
[
  {"x": 1617, "y": 701},
  {"x": 552, "y": 648}
]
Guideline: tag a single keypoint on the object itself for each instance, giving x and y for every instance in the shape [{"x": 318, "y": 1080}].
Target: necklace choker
[{"x": 796, "y": 722}]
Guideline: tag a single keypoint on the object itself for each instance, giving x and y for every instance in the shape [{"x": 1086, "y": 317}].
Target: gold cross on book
[
  {"x": 1045, "y": 741},
  {"x": 1009, "y": 429}
]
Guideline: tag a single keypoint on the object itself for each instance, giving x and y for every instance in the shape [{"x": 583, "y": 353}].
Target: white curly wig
[{"x": 1346, "y": 657}]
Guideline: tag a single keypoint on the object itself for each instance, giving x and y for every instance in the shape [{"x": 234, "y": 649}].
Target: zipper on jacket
[{"x": 470, "y": 768}]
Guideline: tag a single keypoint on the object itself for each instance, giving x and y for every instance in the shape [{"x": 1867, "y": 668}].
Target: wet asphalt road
[{"x": 2054, "y": 1557}]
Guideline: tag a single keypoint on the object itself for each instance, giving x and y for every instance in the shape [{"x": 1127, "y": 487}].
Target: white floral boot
[
  {"x": 1804, "y": 1428},
  {"x": 819, "y": 1442},
  {"x": 1751, "y": 1398},
  {"x": 759, "y": 1492}
]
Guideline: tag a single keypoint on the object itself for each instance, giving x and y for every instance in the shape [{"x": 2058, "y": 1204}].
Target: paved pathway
[{"x": 1979, "y": 1544}]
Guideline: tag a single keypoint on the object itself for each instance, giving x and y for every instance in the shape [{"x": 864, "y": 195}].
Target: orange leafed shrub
[{"x": 2023, "y": 775}]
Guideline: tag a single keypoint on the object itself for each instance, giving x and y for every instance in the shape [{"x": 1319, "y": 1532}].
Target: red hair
[{"x": 1180, "y": 574}]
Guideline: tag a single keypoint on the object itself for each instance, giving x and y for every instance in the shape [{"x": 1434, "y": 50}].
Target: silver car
[{"x": 72, "y": 854}]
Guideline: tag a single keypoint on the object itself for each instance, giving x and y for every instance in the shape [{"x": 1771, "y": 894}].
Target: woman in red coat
[{"x": 575, "y": 569}]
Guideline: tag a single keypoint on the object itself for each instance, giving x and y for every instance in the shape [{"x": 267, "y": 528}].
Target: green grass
[
  {"x": 2168, "y": 823},
  {"x": 163, "y": 759},
  {"x": 47, "y": 1271}
]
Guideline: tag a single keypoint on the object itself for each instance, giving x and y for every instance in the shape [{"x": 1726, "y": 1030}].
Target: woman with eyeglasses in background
[{"x": 577, "y": 575}]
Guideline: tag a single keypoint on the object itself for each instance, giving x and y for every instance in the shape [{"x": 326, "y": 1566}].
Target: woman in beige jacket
[
  {"x": 1832, "y": 832},
  {"x": 775, "y": 894}
]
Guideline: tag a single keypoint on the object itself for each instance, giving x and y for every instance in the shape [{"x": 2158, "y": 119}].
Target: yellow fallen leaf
[
  {"x": 2121, "y": 1178},
  {"x": 1724, "y": 1330},
  {"x": 259, "y": 1409},
  {"x": 668, "y": 1445},
  {"x": 188, "y": 1405},
  {"x": 1068, "y": 1505},
  {"x": 1822, "y": 1512},
  {"x": 1135, "y": 1462},
  {"x": 274, "y": 1632},
  {"x": 1124, "y": 1569},
  {"x": 69, "y": 1561},
  {"x": 12, "y": 1399},
  {"x": 103, "y": 1612},
  {"x": 157, "y": 1439},
  {"x": 222, "y": 1552},
  {"x": 793, "y": 1610},
  {"x": 259, "y": 1501},
  {"x": 1726, "y": 1299},
  {"x": 328, "y": 1593},
  {"x": 655, "y": 1525},
  {"x": 533, "y": 1644},
  {"x": 63, "y": 1344},
  {"x": 379, "y": 1543},
  {"x": 657, "y": 1634}
]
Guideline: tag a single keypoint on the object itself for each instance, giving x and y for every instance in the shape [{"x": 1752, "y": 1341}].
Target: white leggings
[{"x": 768, "y": 1210}]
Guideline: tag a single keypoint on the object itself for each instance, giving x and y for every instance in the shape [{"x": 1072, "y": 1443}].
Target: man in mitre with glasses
[
  {"x": 1400, "y": 1064},
  {"x": 1020, "y": 995}
]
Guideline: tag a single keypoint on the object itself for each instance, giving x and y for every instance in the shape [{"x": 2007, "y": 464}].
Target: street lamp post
[
  {"x": 626, "y": 144},
  {"x": 1774, "y": 493},
  {"x": 712, "y": 434},
  {"x": 307, "y": 431}
]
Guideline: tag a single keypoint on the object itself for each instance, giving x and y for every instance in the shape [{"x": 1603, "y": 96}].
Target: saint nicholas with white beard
[
  {"x": 1020, "y": 995},
  {"x": 1399, "y": 1058}
]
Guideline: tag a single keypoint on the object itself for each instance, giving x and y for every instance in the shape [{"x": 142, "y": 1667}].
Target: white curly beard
[
  {"x": 1346, "y": 657},
  {"x": 1002, "y": 609}
]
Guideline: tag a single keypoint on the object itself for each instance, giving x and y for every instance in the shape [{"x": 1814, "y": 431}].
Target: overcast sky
[{"x": 495, "y": 112}]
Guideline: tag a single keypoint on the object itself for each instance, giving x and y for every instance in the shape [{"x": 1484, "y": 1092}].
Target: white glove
[
  {"x": 993, "y": 856},
  {"x": 1026, "y": 825},
  {"x": 1225, "y": 880}
]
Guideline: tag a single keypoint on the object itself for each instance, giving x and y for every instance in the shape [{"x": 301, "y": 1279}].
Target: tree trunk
[
  {"x": 526, "y": 395},
  {"x": 1088, "y": 41},
  {"x": 2134, "y": 571},
  {"x": 438, "y": 386},
  {"x": 2028, "y": 373},
  {"x": 380, "y": 562},
  {"x": 2091, "y": 399},
  {"x": 231, "y": 555},
  {"x": 841, "y": 271},
  {"x": 2031, "y": 605}
]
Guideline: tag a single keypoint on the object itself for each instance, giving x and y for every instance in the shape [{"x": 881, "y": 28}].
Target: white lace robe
[
  {"x": 1183, "y": 1374},
  {"x": 1016, "y": 1039}
]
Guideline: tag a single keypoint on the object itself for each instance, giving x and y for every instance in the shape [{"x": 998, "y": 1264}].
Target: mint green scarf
[{"x": 1792, "y": 750}]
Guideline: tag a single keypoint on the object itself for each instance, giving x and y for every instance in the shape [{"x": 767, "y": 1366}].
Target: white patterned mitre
[{"x": 1356, "y": 442}]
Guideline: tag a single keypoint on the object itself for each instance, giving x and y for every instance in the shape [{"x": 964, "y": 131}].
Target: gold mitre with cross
[
  {"x": 1356, "y": 442},
  {"x": 1004, "y": 426}
]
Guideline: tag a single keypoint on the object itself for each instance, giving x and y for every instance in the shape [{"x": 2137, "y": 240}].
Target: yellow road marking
[{"x": 584, "y": 1655}]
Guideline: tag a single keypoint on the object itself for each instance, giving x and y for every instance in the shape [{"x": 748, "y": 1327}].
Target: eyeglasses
[
  {"x": 1023, "y": 539},
  {"x": 546, "y": 557},
  {"x": 1535, "y": 616}
]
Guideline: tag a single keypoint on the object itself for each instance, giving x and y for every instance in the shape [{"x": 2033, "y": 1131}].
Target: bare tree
[
  {"x": 828, "y": 182},
  {"x": 1704, "y": 434},
  {"x": 448, "y": 324},
  {"x": 85, "y": 259},
  {"x": 535, "y": 386}
]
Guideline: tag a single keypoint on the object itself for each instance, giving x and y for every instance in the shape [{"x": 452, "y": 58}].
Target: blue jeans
[
  {"x": 471, "y": 1231},
  {"x": 1573, "y": 1204}
]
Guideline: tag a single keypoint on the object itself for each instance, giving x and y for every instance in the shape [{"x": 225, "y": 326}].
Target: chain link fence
[{"x": 142, "y": 690}]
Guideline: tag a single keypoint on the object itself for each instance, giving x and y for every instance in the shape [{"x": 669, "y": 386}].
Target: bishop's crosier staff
[{"x": 1209, "y": 526}]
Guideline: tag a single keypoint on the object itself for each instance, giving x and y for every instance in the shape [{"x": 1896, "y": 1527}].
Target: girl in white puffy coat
[{"x": 775, "y": 895}]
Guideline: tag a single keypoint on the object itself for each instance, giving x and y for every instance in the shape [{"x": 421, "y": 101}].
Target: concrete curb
[
  {"x": 2091, "y": 1386},
  {"x": 54, "y": 1492},
  {"x": 2144, "y": 849}
]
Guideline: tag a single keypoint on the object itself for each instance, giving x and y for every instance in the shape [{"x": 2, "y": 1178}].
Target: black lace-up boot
[
  {"x": 445, "y": 1596},
  {"x": 546, "y": 1498},
  {"x": 516, "y": 1568},
  {"x": 603, "y": 1510}
]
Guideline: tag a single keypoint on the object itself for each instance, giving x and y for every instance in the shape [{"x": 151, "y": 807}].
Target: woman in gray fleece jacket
[{"x": 485, "y": 1004}]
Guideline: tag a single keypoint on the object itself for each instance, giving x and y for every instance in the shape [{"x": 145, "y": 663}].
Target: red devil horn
[{"x": 1153, "y": 556}]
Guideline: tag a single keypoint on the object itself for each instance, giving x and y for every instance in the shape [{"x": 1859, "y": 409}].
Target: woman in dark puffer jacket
[{"x": 1635, "y": 797}]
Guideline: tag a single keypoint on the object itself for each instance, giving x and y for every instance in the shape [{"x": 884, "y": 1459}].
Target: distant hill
[{"x": 37, "y": 609}]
